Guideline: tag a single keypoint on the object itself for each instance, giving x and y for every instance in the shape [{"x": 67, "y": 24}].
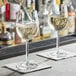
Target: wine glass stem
[
  {"x": 57, "y": 43},
  {"x": 27, "y": 52}
]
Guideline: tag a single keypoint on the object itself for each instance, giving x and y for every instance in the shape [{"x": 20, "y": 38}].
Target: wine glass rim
[
  {"x": 58, "y": 16},
  {"x": 25, "y": 24}
]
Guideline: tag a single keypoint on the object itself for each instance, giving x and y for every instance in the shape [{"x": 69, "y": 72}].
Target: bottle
[
  {"x": 71, "y": 18},
  {"x": 56, "y": 7},
  {"x": 32, "y": 7},
  {"x": 41, "y": 32},
  {"x": 45, "y": 32},
  {"x": 28, "y": 3},
  {"x": 5, "y": 37},
  {"x": 37, "y": 5},
  {"x": 63, "y": 9},
  {"x": 13, "y": 11},
  {"x": 2, "y": 10},
  {"x": 58, "y": 2},
  {"x": 7, "y": 12}
]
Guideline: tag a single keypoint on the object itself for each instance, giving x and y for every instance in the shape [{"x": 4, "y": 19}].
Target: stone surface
[{"x": 59, "y": 68}]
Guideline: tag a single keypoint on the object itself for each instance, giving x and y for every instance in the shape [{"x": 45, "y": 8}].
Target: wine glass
[
  {"x": 59, "y": 23},
  {"x": 28, "y": 31}
]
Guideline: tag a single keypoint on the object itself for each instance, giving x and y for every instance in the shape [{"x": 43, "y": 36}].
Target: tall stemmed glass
[
  {"x": 59, "y": 23},
  {"x": 28, "y": 30}
]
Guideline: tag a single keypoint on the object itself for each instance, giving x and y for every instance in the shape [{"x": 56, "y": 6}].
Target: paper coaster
[
  {"x": 13, "y": 67},
  {"x": 54, "y": 56}
]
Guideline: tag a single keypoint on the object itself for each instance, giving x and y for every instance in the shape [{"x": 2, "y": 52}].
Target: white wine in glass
[
  {"x": 59, "y": 23},
  {"x": 28, "y": 31}
]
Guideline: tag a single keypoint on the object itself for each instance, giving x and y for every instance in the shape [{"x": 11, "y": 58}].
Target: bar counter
[{"x": 66, "y": 67}]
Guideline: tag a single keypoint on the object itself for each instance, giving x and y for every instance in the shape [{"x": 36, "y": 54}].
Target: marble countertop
[{"x": 66, "y": 67}]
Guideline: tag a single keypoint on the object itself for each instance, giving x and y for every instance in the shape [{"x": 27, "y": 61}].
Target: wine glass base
[
  {"x": 57, "y": 55},
  {"x": 25, "y": 66},
  {"x": 37, "y": 67}
]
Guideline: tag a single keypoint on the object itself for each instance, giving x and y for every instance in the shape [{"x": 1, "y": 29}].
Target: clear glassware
[
  {"x": 28, "y": 31},
  {"x": 59, "y": 23}
]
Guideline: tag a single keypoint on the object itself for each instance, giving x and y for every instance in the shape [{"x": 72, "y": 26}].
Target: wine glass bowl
[
  {"x": 28, "y": 30},
  {"x": 59, "y": 22}
]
